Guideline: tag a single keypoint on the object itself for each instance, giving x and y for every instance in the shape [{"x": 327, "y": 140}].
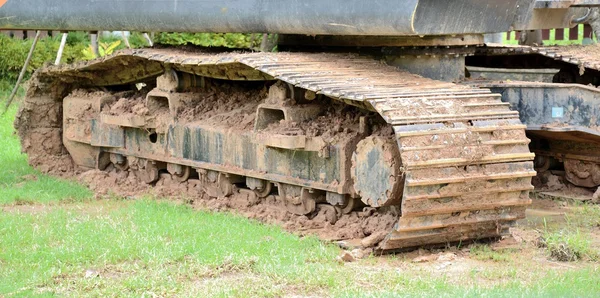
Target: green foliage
[
  {"x": 103, "y": 49},
  {"x": 14, "y": 52},
  {"x": 137, "y": 40},
  {"x": 230, "y": 40},
  {"x": 78, "y": 37},
  {"x": 568, "y": 245}
]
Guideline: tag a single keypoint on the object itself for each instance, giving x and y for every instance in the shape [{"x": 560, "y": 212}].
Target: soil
[
  {"x": 356, "y": 225},
  {"x": 224, "y": 104},
  {"x": 39, "y": 126},
  {"x": 548, "y": 182},
  {"x": 127, "y": 105},
  {"x": 336, "y": 122}
]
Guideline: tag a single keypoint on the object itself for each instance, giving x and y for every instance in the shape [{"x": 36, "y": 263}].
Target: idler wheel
[{"x": 376, "y": 172}]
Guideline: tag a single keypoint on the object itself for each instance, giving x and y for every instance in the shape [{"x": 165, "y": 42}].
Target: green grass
[
  {"x": 569, "y": 283},
  {"x": 568, "y": 244},
  {"x": 142, "y": 247},
  {"x": 573, "y": 239},
  {"x": 145, "y": 246},
  {"x": 586, "y": 215}
]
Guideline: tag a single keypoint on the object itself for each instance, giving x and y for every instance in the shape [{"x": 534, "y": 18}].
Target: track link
[
  {"x": 465, "y": 160},
  {"x": 582, "y": 56}
]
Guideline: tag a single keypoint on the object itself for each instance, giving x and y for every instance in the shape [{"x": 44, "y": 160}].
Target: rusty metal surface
[
  {"x": 554, "y": 106},
  {"x": 465, "y": 157}
]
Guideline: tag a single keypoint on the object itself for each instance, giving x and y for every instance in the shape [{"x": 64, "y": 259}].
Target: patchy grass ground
[{"x": 57, "y": 240}]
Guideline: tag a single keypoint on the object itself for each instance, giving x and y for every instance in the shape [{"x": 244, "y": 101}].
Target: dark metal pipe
[{"x": 311, "y": 17}]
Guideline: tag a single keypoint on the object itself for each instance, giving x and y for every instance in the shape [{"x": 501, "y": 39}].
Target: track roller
[
  {"x": 261, "y": 188},
  {"x": 149, "y": 172},
  {"x": 330, "y": 213},
  {"x": 298, "y": 200},
  {"x": 226, "y": 183},
  {"x": 179, "y": 173},
  {"x": 119, "y": 161}
]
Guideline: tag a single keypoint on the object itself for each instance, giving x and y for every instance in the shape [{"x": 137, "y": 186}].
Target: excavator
[{"x": 393, "y": 107}]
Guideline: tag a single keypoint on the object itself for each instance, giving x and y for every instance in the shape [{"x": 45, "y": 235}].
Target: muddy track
[{"x": 462, "y": 168}]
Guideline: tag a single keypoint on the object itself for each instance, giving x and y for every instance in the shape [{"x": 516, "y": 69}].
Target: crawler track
[
  {"x": 465, "y": 168},
  {"x": 582, "y": 56},
  {"x": 568, "y": 145}
]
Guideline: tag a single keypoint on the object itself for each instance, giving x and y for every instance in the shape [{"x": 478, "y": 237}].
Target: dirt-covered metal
[{"x": 455, "y": 157}]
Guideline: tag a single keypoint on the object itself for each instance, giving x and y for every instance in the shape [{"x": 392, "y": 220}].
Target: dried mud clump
[
  {"x": 39, "y": 126},
  {"x": 224, "y": 104},
  {"x": 131, "y": 105},
  {"x": 548, "y": 182},
  {"x": 336, "y": 122},
  {"x": 40, "y": 120}
]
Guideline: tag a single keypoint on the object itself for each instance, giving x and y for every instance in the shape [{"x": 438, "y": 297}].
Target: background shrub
[{"x": 14, "y": 51}]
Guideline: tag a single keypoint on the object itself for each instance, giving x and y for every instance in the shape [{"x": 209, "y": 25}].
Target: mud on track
[
  {"x": 356, "y": 225},
  {"x": 39, "y": 125},
  {"x": 403, "y": 100}
]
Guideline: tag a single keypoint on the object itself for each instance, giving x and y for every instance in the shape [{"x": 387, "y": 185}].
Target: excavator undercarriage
[
  {"x": 394, "y": 111},
  {"x": 314, "y": 130}
]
